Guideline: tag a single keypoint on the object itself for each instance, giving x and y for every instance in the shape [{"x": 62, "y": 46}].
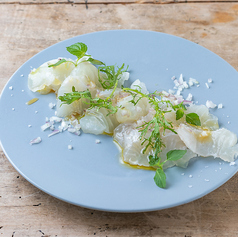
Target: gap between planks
[{"x": 119, "y": 2}]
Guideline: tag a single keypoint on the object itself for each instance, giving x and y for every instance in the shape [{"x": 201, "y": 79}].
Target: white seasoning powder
[{"x": 210, "y": 80}]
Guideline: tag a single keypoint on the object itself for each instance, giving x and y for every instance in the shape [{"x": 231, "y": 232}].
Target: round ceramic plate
[{"x": 91, "y": 175}]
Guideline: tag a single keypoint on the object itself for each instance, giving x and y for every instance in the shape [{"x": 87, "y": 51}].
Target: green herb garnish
[
  {"x": 193, "y": 119},
  {"x": 111, "y": 76},
  {"x": 160, "y": 177},
  {"x": 79, "y": 50}
]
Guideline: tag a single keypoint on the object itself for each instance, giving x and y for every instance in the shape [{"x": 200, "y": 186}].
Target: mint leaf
[
  {"x": 179, "y": 114},
  {"x": 160, "y": 178},
  {"x": 78, "y": 49},
  {"x": 193, "y": 119},
  {"x": 175, "y": 154},
  {"x": 58, "y": 63},
  {"x": 95, "y": 61}
]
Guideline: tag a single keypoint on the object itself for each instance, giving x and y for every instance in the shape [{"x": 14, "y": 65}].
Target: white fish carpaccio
[
  {"x": 208, "y": 120},
  {"x": 83, "y": 77},
  {"x": 45, "y": 79},
  {"x": 97, "y": 121},
  {"x": 220, "y": 143},
  {"x": 127, "y": 136}
]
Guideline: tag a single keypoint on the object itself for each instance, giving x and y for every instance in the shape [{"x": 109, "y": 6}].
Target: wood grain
[{"x": 27, "y": 29}]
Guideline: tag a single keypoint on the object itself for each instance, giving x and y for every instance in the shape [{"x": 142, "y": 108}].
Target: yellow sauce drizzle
[{"x": 30, "y": 102}]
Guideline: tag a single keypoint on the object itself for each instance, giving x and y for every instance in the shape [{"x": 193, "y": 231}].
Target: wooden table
[{"x": 27, "y": 27}]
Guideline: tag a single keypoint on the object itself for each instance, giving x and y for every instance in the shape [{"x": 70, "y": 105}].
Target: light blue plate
[{"x": 91, "y": 175}]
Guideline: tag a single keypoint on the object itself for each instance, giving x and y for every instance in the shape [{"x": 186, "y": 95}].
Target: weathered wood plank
[
  {"x": 30, "y": 2},
  {"x": 26, "y": 30}
]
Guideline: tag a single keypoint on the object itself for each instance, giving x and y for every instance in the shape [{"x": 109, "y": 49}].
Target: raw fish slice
[
  {"x": 219, "y": 143},
  {"x": 128, "y": 138},
  {"x": 207, "y": 120},
  {"x": 97, "y": 122},
  {"x": 83, "y": 77},
  {"x": 128, "y": 112},
  {"x": 47, "y": 79},
  {"x": 173, "y": 142}
]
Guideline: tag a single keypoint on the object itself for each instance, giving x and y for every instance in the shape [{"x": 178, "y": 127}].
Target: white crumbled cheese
[
  {"x": 210, "y": 104},
  {"x": 52, "y": 127},
  {"x": 228, "y": 122},
  {"x": 45, "y": 126},
  {"x": 173, "y": 77},
  {"x": 55, "y": 119},
  {"x": 176, "y": 83},
  {"x": 207, "y": 85},
  {"x": 190, "y": 176},
  {"x": 22, "y": 75},
  {"x": 190, "y": 186},
  {"x": 47, "y": 119},
  {"x": 51, "y": 105},
  {"x": 220, "y": 106},
  {"x": 29, "y": 126},
  {"x": 232, "y": 163},
  {"x": 180, "y": 80},
  {"x": 22, "y": 90},
  {"x": 11, "y": 94},
  {"x": 171, "y": 91},
  {"x": 185, "y": 84},
  {"x": 13, "y": 109},
  {"x": 178, "y": 92},
  {"x": 183, "y": 174},
  {"x": 72, "y": 130},
  {"x": 10, "y": 88},
  {"x": 97, "y": 141},
  {"x": 207, "y": 180},
  {"x": 192, "y": 81},
  {"x": 210, "y": 80},
  {"x": 36, "y": 112},
  {"x": 35, "y": 141},
  {"x": 55, "y": 113},
  {"x": 70, "y": 147},
  {"x": 190, "y": 97},
  {"x": 198, "y": 85}
]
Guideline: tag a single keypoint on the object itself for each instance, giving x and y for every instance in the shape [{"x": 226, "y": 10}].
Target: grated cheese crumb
[
  {"x": 51, "y": 105},
  {"x": 220, "y": 106},
  {"x": 207, "y": 85},
  {"x": 190, "y": 97},
  {"x": 97, "y": 141},
  {"x": 210, "y": 104},
  {"x": 210, "y": 80},
  {"x": 70, "y": 147},
  {"x": 232, "y": 163},
  {"x": 10, "y": 88}
]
